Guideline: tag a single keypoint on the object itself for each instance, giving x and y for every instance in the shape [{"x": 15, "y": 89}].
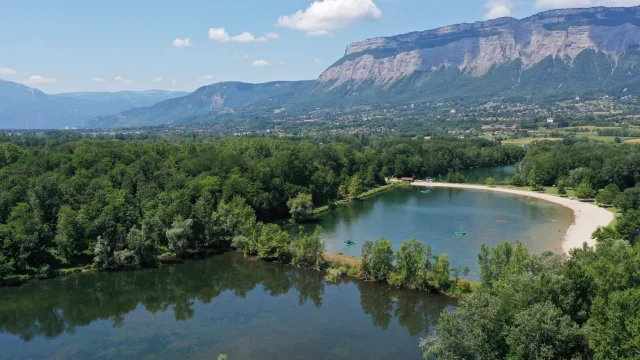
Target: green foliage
[
  {"x": 308, "y": 250},
  {"x": 489, "y": 181},
  {"x": 608, "y": 195},
  {"x": 561, "y": 189},
  {"x": 410, "y": 259},
  {"x": 142, "y": 246},
  {"x": 517, "y": 180},
  {"x": 502, "y": 261},
  {"x": 269, "y": 242},
  {"x": 378, "y": 259},
  {"x": 179, "y": 236},
  {"x": 543, "y": 332},
  {"x": 301, "y": 207},
  {"x": 629, "y": 199},
  {"x": 615, "y": 325},
  {"x": 584, "y": 190},
  {"x": 546, "y": 307},
  {"x": 59, "y": 194},
  {"x": 628, "y": 226}
]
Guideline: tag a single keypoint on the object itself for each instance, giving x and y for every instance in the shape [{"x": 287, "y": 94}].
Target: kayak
[{"x": 461, "y": 233}]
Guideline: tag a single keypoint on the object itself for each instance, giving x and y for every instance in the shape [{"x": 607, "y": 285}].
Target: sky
[{"x": 80, "y": 45}]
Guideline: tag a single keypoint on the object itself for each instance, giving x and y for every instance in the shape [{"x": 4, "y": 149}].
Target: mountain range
[
  {"x": 554, "y": 55},
  {"x": 25, "y": 107}
]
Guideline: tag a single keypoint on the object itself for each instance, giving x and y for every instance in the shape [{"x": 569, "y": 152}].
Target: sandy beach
[{"x": 588, "y": 217}]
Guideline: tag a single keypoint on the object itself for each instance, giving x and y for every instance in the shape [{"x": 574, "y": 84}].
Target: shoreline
[{"x": 588, "y": 217}]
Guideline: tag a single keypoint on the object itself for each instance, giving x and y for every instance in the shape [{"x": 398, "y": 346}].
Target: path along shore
[{"x": 588, "y": 217}]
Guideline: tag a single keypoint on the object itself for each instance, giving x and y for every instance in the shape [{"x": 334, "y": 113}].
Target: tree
[
  {"x": 143, "y": 247},
  {"x": 615, "y": 325},
  {"x": 410, "y": 261},
  {"x": 628, "y": 226},
  {"x": 490, "y": 181},
  {"x": 608, "y": 195},
  {"x": 628, "y": 199},
  {"x": 379, "y": 262},
  {"x": 179, "y": 236},
  {"x": 104, "y": 251},
  {"x": 301, "y": 207},
  {"x": 561, "y": 189},
  {"x": 516, "y": 180},
  {"x": 584, "y": 190},
  {"x": 356, "y": 186},
  {"x": 441, "y": 273},
  {"x": 308, "y": 250},
  {"x": 70, "y": 237},
  {"x": 542, "y": 331}
]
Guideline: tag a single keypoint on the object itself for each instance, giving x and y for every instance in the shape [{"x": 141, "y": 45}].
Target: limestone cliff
[{"x": 475, "y": 49}]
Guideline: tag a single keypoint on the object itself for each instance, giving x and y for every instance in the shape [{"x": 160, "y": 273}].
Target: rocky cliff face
[{"x": 475, "y": 49}]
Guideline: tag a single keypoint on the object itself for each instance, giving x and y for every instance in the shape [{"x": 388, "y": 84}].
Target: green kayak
[{"x": 461, "y": 233}]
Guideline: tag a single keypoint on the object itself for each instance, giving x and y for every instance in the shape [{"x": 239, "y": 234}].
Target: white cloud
[
  {"x": 219, "y": 34},
  {"x": 326, "y": 15},
  {"x": 247, "y": 37},
  {"x": 37, "y": 79},
  {"x": 562, "y": 3},
  {"x": 98, "y": 79},
  {"x": 205, "y": 77},
  {"x": 498, "y": 9},
  {"x": 260, "y": 63},
  {"x": 182, "y": 42},
  {"x": 157, "y": 79},
  {"x": 124, "y": 80},
  {"x": 7, "y": 71},
  {"x": 174, "y": 81},
  {"x": 317, "y": 61}
]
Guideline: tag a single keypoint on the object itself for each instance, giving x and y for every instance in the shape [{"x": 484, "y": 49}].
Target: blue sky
[{"x": 73, "y": 45}]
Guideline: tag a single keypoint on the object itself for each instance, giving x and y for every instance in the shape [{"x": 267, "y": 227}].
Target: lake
[
  {"x": 225, "y": 304},
  {"x": 488, "y": 217},
  {"x": 500, "y": 174}
]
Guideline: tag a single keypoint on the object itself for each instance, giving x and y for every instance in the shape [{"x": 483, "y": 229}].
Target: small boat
[
  {"x": 461, "y": 233},
  {"x": 427, "y": 191},
  {"x": 349, "y": 242}
]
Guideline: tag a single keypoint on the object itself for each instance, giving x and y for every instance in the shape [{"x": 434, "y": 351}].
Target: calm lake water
[
  {"x": 500, "y": 174},
  {"x": 488, "y": 217},
  {"x": 197, "y": 310}
]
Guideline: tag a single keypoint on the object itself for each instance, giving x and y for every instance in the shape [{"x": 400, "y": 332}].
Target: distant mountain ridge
[
  {"x": 25, "y": 107},
  {"x": 225, "y": 96}
]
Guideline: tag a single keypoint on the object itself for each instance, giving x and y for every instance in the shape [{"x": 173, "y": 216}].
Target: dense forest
[{"x": 67, "y": 202}]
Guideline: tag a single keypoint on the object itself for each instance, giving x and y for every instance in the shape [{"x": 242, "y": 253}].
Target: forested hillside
[{"x": 66, "y": 202}]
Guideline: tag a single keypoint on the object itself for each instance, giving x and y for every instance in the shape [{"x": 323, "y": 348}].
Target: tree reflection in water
[{"x": 51, "y": 308}]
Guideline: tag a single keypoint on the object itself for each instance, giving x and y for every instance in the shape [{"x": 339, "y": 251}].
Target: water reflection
[{"x": 221, "y": 300}]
